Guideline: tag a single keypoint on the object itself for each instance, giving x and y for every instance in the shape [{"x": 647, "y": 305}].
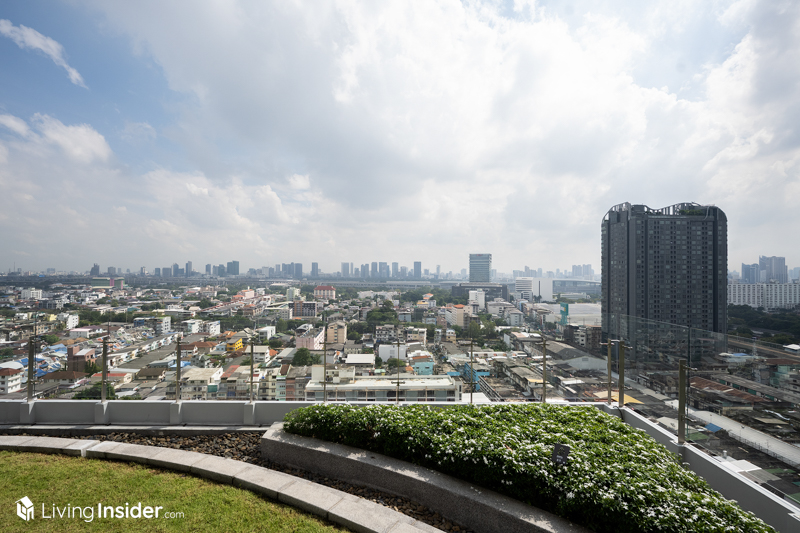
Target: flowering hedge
[{"x": 617, "y": 479}]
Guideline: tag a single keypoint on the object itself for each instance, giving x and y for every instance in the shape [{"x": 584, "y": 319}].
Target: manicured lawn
[{"x": 76, "y": 482}]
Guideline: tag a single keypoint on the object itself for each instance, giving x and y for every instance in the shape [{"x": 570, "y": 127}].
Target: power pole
[
  {"x": 178, "y": 372},
  {"x": 544, "y": 368},
  {"x": 104, "y": 379},
  {"x": 397, "y": 390},
  {"x": 324, "y": 358},
  {"x": 252, "y": 365}
]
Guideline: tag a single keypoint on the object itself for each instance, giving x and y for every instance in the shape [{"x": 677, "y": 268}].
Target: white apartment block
[
  {"x": 10, "y": 380},
  {"x": 31, "y": 294},
  {"x": 70, "y": 321},
  {"x": 767, "y": 295},
  {"x": 211, "y": 327}
]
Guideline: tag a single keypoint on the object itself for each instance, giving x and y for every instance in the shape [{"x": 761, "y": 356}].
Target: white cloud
[
  {"x": 81, "y": 143},
  {"x": 299, "y": 182},
  {"x": 31, "y": 39},
  {"x": 439, "y": 128}
]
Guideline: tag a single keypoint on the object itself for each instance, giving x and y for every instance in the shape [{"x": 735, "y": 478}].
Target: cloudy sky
[{"x": 141, "y": 134}]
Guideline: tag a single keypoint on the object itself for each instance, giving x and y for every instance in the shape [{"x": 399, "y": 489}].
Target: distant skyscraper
[
  {"x": 157, "y": 272},
  {"x": 345, "y": 270},
  {"x": 208, "y": 269},
  {"x": 395, "y": 270},
  {"x": 221, "y": 271},
  {"x": 403, "y": 272},
  {"x": 667, "y": 265},
  {"x": 383, "y": 270},
  {"x": 112, "y": 271},
  {"x": 189, "y": 268},
  {"x": 298, "y": 270},
  {"x": 233, "y": 268},
  {"x": 480, "y": 268},
  {"x": 95, "y": 271},
  {"x": 373, "y": 271},
  {"x": 365, "y": 270},
  {"x": 750, "y": 273},
  {"x": 166, "y": 272},
  {"x": 417, "y": 269},
  {"x": 314, "y": 270},
  {"x": 774, "y": 268}
]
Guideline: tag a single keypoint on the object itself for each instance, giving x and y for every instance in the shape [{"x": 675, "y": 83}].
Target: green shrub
[{"x": 618, "y": 479}]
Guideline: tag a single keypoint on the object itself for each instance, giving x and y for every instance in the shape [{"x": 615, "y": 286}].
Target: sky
[{"x": 150, "y": 133}]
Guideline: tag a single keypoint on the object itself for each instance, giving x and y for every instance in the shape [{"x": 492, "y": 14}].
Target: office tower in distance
[
  {"x": 417, "y": 269},
  {"x": 314, "y": 270},
  {"x": 750, "y": 273},
  {"x": 395, "y": 269},
  {"x": 345, "y": 270},
  {"x": 208, "y": 269},
  {"x": 298, "y": 270},
  {"x": 112, "y": 271},
  {"x": 403, "y": 272},
  {"x": 157, "y": 272},
  {"x": 480, "y": 268},
  {"x": 95, "y": 271},
  {"x": 773, "y": 269},
  {"x": 221, "y": 272},
  {"x": 667, "y": 265},
  {"x": 233, "y": 268},
  {"x": 383, "y": 270},
  {"x": 166, "y": 272},
  {"x": 365, "y": 270},
  {"x": 189, "y": 268},
  {"x": 373, "y": 271}
]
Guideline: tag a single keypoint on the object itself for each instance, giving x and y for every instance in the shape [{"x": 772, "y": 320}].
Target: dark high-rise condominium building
[
  {"x": 480, "y": 268},
  {"x": 667, "y": 265},
  {"x": 233, "y": 268},
  {"x": 189, "y": 268},
  {"x": 298, "y": 270},
  {"x": 345, "y": 270},
  {"x": 95, "y": 271},
  {"x": 417, "y": 269},
  {"x": 314, "y": 270}
]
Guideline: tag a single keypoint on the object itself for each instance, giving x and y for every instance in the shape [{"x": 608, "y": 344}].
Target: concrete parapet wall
[
  {"x": 159, "y": 416},
  {"x": 461, "y": 502},
  {"x": 131, "y": 412}
]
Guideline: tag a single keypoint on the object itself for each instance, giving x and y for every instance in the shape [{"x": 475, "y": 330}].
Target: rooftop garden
[
  {"x": 188, "y": 503},
  {"x": 616, "y": 478}
]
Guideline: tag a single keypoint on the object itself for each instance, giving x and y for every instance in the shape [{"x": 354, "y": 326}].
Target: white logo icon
[{"x": 25, "y": 508}]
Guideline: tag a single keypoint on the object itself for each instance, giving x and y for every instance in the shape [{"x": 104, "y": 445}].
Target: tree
[
  {"x": 394, "y": 362},
  {"x": 205, "y": 303},
  {"x": 95, "y": 392},
  {"x": 275, "y": 343},
  {"x": 304, "y": 357},
  {"x": 92, "y": 368},
  {"x": 281, "y": 326},
  {"x": 354, "y": 335},
  {"x": 50, "y": 339},
  {"x": 6, "y": 352},
  {"x": 378, "y": 361}
]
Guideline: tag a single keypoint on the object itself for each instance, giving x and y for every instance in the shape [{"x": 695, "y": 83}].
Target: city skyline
[{"x": 277, "y": 132}]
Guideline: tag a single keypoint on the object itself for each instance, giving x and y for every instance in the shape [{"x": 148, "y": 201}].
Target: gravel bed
[{"x": 246, "y": 447}]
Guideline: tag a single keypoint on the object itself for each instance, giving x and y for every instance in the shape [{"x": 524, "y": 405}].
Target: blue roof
[
  {"x": 713, "y": 428},
  {"x": 741, "y": 354}
]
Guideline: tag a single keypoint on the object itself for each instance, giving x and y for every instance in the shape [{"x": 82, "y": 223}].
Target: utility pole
[
  {"x": 178, "y": 372},
  {"x": 31, "y": 365},
  {"x": 544, "y": 368},
  {"x": 471, "y": 369},
  {"x": 104, "y": 378},
  {"x": 252, "y": 365},
  {"x": 324, "y": 358},
  {"x": 397, "y": 390}
]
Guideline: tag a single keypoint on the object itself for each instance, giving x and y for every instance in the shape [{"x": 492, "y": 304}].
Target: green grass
[{"x": 206, "y": 506}]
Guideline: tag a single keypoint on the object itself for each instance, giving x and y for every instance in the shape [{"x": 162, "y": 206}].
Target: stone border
[
  {"x": 456, "y": 500},
  {"x": 352, "y": 512},
  {"x": 148, "y": 431}
]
